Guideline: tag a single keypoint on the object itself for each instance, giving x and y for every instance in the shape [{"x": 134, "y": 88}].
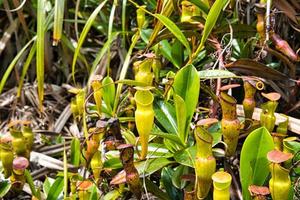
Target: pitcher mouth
[
  {"x": 144, "y": 97},
  {"x": 227, "y": 98}
]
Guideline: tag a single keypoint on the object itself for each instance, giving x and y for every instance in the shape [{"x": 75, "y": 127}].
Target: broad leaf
[
  {"x": 213, "y": 74},
  {"x": 254, "y": 168},
  {"x": 4, "y": 188},
  {"x": 56, "y": 189},
  {"x": 175, "y": 30},
  {"x": 166, "y": 116},
  {"x": 187, "y": 86},
  {"x": 166, "y": 178},
  {"x": 180, "y": 107}
]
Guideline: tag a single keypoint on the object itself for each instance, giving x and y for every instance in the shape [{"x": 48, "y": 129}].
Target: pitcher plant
[
  {"x": 221, "y": 182},
  {"x": 267, "y": 116},
  {"x": 259, "y": 192},
  {"x": 144, "y": 118},
  {"x": 6, "y": 154},
  {"x": 132, "y": 175},
  {"x": 230, "y": 123},
  {"x": 280, "y": 183},
  {"x": 205, "y": 163},
  {"x": 249, "y": 101},
  {"x": 97, "y": 90}
]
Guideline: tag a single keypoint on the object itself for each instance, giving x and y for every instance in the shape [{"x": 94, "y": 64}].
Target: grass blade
[
  {"x": 85, "y": 30},
  {"x": 58, "y": 20},
  {"x": 109, "y": 36},
  {"x": 40, "y": 46},
  {"x": 25, "y": 68},
  {"x": 125, "y": 69},
  {"x": 13, "y": 63}
]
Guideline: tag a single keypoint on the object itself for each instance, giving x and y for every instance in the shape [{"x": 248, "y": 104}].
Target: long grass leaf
[
  {"x": 13, "y": 63},
  {"x": 109, "y": 35},
  {"x": 125, "y": 69},
  {"x": 25, "y": 68},
  {"x": 104, "y": 49},
  {"x": 175, "y": 30},
  {"x": 210, "y": 22},
  {"x": 40, "y": 46},
  {"x": 124, "y": 3},
  {"x": 58, "y": 20},
  {"x": 85, "y": 30}
]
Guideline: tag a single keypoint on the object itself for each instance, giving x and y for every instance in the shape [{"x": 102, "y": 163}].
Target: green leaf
[
  {"x": 166, "y": 50},
  {"x": 175, "y": 30},
  {"x": 58, "y": 20},
  {"x": 75, "y": 151},
  {"x": 47, "y": 185},
  {"x": 40, "y": 49},
  {"x": 104, "y": 49},
  {"x": 216, "y": 73},
  {"x": 166, "y": 178},
  {"x": 211, "y": 22},
  {"x": 25, "y": 68},
  {"x": 186, "y": 156},
  {"x": 166, "y": 115},
  {"x": 181, "y": 117},
  {"x": 187, "y": 86},
  {"x": 203, "y": 7},
  {"x": 254, "y": 167},
  {"x": 56, "y": 189},
  {"x": 13, "y": 63},
  {"x": 94, "y": 193},
  {"x": 4, "y": 187},
  {"x": 148, "y": 167},
  {"x": 124, "y": 69},
  {"x": 84, "y": 33},
  {"x": 109, "y": 92},
  {"x": 29, "y": 180}
]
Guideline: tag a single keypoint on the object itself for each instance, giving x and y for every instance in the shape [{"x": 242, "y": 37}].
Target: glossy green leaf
[
  {"x": 56, "y": 189},
  {"x": 254, "y": 167},
  {"x": 109, "y": 92},
  {"x": 84, "y": 33},
  {"x": 166, "y": 178},
  {"x": 210, "y": 23},
  {"x": 166, "y": 115},
  {"x": 187, "y": 86},
  {"x": 216, "y": 73},
  {"x": 75, "y": 151},
  {"x": 166, "y": 50},
  {"x": 175, "y": 30},
  {"x": 47, "y": 185},
  {"x": 180, "y": 107},
  {"x": 4, "y": 187},
  {"x": 186, "y": 156},
  {"x": 177, "y": 176},
  {"x": 94, "y": 193}
]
